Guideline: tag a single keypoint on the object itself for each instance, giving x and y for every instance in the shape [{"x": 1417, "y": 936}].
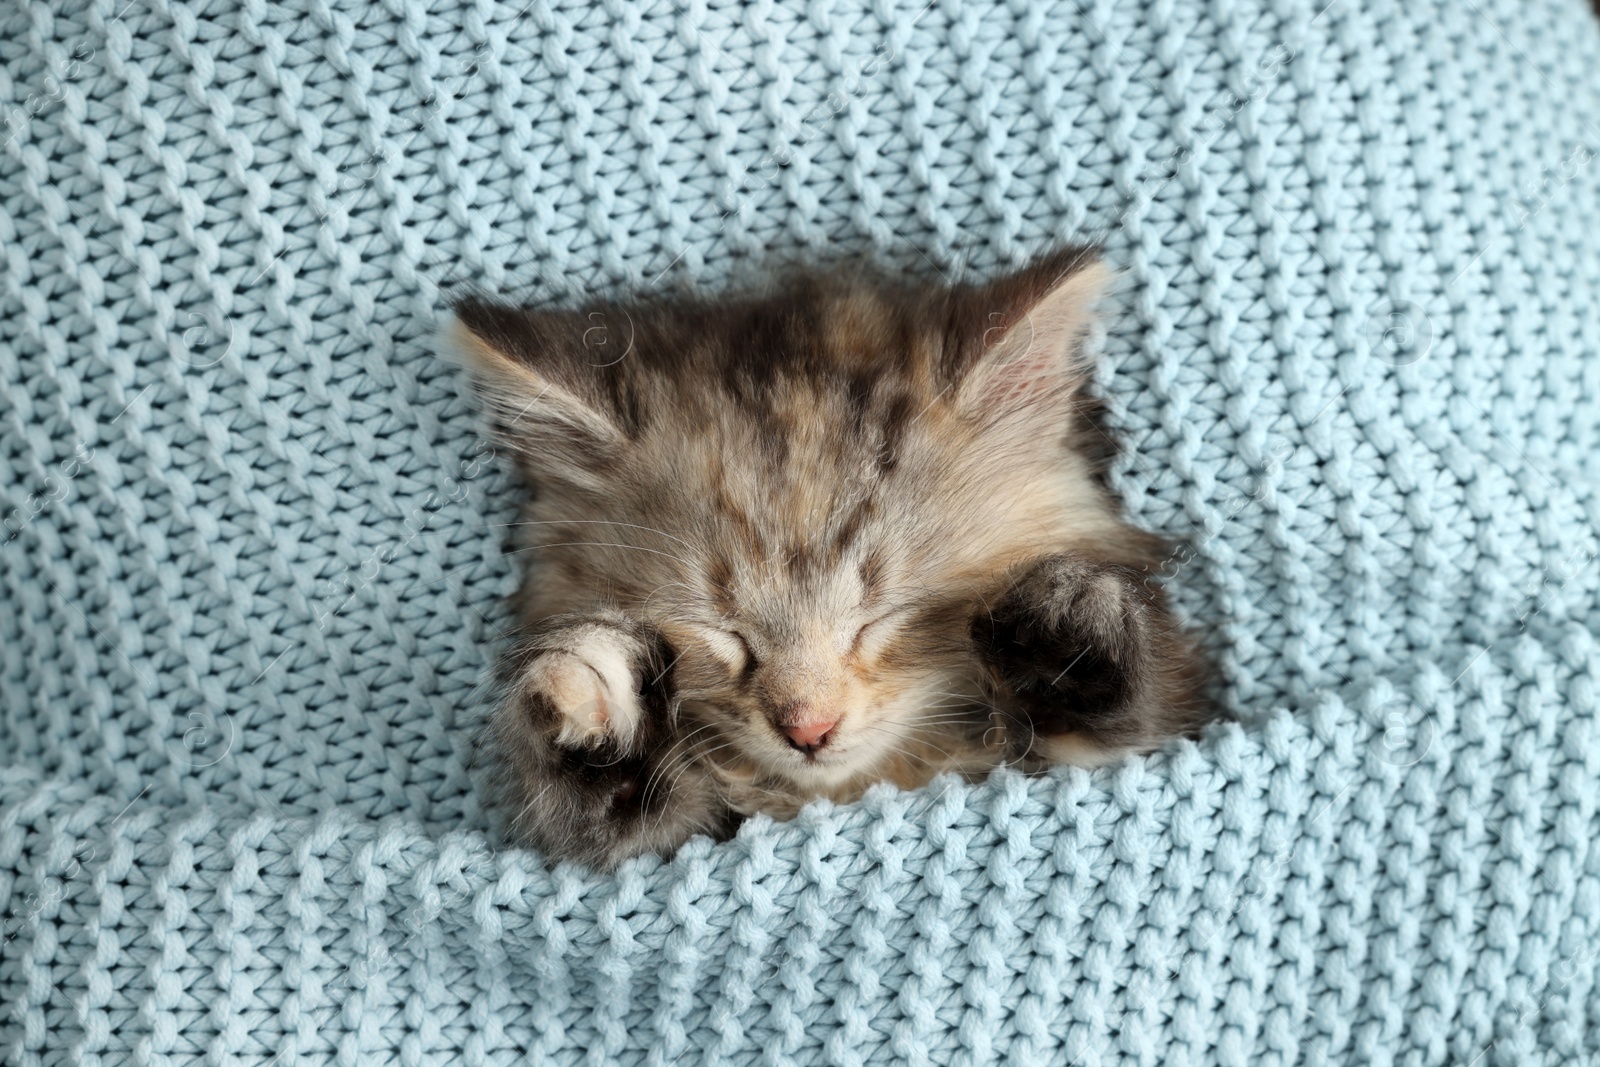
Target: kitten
[{"x": 788, "y": 545}]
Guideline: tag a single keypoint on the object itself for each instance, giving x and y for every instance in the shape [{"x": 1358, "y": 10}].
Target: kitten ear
[
  {"x": 542, "y": 378},
  {"x": 1018, "y": 339}
]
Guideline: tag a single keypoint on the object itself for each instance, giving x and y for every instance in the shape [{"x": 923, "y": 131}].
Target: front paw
[
  {"x": 592, "y": 765},
  {"x": 1069, "y": 649},
  {"x": 585, "y": 686}
]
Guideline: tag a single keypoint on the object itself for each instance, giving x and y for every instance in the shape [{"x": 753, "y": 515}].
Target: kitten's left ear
[
  {"x": 1017, "y": 341},
  {"x": 546, "y": 392}
]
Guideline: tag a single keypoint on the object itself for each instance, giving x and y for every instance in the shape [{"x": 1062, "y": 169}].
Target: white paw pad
[{"x": 592, "y": 684}]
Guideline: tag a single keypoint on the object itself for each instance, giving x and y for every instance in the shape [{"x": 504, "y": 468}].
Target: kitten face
[
  {"x": 816, "y": 595},
  {"x": 809, "y": 495}
]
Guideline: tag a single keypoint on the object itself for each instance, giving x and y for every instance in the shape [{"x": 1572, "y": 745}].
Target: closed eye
[
  {"x": 874, "y": 628},
  {"x": 732, "y": 648},
  {"x": 750, "y": 662}
]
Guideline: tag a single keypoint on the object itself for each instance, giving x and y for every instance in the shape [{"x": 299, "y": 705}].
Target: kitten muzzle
[{"x": 804, "y": 726}]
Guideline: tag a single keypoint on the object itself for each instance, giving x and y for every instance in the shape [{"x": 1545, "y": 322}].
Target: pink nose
[{"x": 810, "y": 734}]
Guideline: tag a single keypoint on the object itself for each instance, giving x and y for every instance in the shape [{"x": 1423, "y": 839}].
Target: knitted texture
[{"x": 252, "y": 579}]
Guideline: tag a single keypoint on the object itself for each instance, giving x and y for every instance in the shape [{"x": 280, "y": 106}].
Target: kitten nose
[{"x": 810, "y": 734}]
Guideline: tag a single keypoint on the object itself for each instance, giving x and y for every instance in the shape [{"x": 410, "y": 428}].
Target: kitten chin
[{"x": 787, "y": 544}]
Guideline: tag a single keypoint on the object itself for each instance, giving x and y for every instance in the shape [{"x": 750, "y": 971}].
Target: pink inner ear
[
  {"x": 1037, "y": 357},
  {"x": 1022, "y": 378}
]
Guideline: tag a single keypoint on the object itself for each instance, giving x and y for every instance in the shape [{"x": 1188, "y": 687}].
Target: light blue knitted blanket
[{"x": 251, "y": 574}]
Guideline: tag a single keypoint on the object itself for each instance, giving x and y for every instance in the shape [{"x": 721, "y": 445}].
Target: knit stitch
[{"x": 252, "y": 575}]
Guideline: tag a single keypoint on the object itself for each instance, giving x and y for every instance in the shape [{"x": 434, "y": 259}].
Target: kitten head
[{"x": 808, "y": 492}]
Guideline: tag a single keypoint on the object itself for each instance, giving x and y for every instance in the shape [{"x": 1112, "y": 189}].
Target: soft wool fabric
[{"x": 253, "y": 578}]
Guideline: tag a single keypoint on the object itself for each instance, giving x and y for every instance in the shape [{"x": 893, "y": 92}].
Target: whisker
[
  {"x": 903, "y": 750},
  {"x": 682, "y": 768},
  {"x": 585, "y": 522},
  {"x": 656, "y": 680},
  {"x": 976, "y": 702},
  {"x": 598, "y": 544},
  {"x": 644, "y": 604},
  {"x": 680, "y": 757},
  {"x": 523, "y": 814},
  {"x": 928, "y": 720},
  {"x": 671, "y": 754},
  {"x": 681, "y": 750}
]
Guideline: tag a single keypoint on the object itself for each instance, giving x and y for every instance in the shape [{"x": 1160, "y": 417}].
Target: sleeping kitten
[{"x": 788, "y": 545}]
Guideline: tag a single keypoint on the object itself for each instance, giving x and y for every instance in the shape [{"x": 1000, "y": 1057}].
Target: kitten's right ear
[
  {"x": 1016, "y": 341},
  {"x": 536, "y": 374}
]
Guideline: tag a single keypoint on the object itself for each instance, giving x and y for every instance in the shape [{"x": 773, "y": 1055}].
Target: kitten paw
[
  {"x": 588, "y": 689},
  {"x": 1070, "y": 648},
  {"x": 592, "y": 765}
]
